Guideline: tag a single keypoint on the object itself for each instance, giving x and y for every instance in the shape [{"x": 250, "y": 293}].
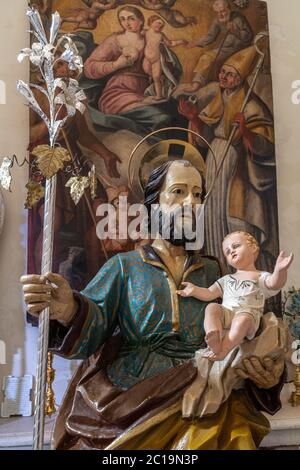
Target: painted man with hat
[{"x": 244, "y": 193}]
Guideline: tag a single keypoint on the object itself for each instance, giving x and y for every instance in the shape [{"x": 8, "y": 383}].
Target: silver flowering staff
[{"x": 64, "y": 97}]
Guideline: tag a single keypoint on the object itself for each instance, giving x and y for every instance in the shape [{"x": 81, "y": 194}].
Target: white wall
[
  {"x": 285, "y": 51},
  {"x": 285, "y": 56},
  {"x": 20, "y": 338}
]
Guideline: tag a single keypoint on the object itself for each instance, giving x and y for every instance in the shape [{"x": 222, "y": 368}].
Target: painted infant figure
[
  {"x": 152, "y": 63},
  {"x": 87, "y": 17},
  {"x": 243, "y": 295}
]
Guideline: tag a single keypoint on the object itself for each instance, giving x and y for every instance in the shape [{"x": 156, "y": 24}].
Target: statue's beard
[{"x": 178, "y": 234}]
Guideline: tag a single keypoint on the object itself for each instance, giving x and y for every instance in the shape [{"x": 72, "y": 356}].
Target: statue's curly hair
[{"x": 156, "y": 181}]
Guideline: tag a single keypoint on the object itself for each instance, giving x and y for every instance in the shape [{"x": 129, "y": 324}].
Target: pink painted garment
[{"x": 125, "y": 88}]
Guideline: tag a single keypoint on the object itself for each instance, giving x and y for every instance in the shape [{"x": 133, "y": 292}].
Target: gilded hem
[{"x": 140, "y": 428}]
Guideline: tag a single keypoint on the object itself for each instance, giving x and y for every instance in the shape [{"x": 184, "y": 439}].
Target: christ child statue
[{"x": 243, "y": 295}]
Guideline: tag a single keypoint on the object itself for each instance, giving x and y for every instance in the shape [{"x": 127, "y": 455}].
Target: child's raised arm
[
  {"x": 201, "y": 293},
  {"x": 173, "y": 42},
  {"x": 277, "y": 279}
]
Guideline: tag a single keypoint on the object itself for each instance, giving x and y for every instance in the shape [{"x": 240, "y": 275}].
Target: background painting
[{"x": 125, "y": 104}]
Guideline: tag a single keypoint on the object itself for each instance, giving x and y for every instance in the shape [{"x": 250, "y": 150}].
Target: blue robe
[
  {"x": 141, "y": 379},
  {"x": 135, "y": 292}
]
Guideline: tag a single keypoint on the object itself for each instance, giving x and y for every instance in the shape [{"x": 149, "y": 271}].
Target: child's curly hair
[
  {"x": 154, "y": 18},
  {"x": 250, "y": 239}
]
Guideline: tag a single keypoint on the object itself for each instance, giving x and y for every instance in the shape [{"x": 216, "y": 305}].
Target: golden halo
[{"x": 161, "y": 152}]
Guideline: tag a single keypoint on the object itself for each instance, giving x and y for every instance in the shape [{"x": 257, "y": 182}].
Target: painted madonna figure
[
  {"x": 138, "y": 338},
  {"x": 120, "y": 58}
]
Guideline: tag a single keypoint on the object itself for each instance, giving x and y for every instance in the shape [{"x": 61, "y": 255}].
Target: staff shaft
[{"x": 43, "y": 333}]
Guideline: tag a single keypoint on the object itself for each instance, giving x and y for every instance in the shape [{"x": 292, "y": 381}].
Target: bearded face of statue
[{"x": 179, "y": 198}]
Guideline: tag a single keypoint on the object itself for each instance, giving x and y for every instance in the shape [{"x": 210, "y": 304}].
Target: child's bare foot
[
  {"x": 208, "y": 354},
  {"x": 219, "y": 356},
  {"x": 227, "y": 345},
  {"x": 225, "y": 349},
  {"x": 214, "y": 341}
]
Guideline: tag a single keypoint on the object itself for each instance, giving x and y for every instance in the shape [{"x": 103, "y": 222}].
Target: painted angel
[
  {"x": 87, "y": 17},
  {"x": 174, "y": 17}
]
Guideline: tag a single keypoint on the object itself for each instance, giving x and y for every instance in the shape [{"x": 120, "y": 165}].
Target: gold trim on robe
[{"x": 236, "y": 426}]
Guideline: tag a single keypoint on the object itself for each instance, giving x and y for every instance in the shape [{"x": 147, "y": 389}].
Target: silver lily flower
[
  {"x": 43, "y": 49},
  {"x": 71, "y": 96},
  {"x": 44, "y": 54},
  {"x": 54, "y": 27},
  {"x": 71, "y": 55},
  {"x": 36, "y": 21},
  {"x": 37, "y": 54}
]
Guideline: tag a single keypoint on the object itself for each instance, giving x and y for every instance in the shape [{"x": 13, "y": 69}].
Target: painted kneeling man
[{"x": 139, "y": 337}]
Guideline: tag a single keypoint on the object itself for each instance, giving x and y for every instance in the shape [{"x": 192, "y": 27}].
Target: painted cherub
[
  {"x": 87, "y": 17},
  {"x": 174, "y": 17},
  {"x": 243, "y": 295},
  {"x": 152, "y": 60}
]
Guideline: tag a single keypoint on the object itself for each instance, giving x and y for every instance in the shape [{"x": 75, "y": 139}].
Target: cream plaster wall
[
  {"x": 285, "y": 56},
  {"x": 20, "y": 339}
]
